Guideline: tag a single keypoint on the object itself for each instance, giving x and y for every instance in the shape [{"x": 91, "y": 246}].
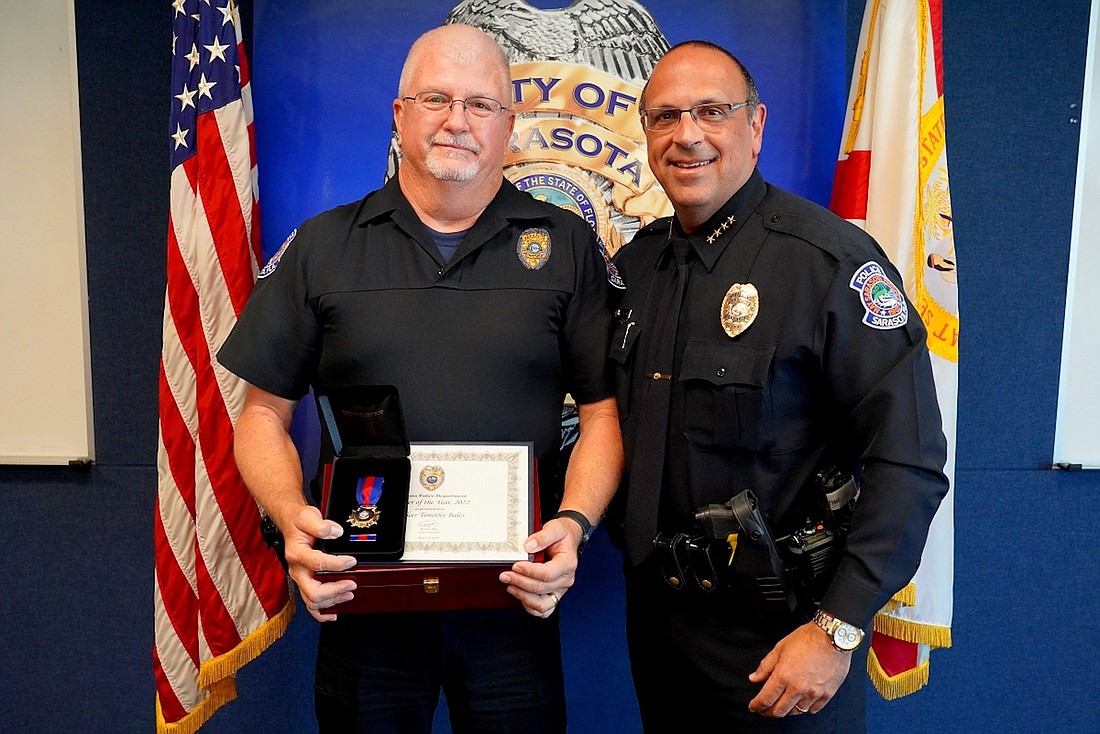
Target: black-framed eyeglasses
[
  {"x": 483, "y": 107},
  {"x": 711, "y": 114}
]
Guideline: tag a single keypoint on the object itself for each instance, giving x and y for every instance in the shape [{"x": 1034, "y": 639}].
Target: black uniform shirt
[
  {"x": 809, "y": 382},
  {"x": 481, "y": 349}
]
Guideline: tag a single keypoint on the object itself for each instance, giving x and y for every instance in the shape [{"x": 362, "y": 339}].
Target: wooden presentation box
[
  {"x": 416, "y": 588},
  {"x": 385, "y": 584},
  {"x": 411, "y": 587}
]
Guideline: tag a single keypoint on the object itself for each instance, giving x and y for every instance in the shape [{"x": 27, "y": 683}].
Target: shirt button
[
  {"x": 775, "y": 217},
  {"x": 721, "y": 371}
]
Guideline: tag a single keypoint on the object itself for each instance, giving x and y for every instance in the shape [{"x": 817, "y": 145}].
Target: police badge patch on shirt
[
  {"x": 883, "y": 301},
  {"x": 533, "y": 247},
  {"x": 273, "y": 263},
  {"x": 613, "y": 276}
]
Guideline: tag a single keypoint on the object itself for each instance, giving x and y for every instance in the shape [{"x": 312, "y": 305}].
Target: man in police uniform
[
  {"x": 791, "y": 348},
  {"x": 484, "y": 307}
]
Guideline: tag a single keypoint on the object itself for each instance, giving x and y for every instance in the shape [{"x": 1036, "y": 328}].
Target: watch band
[
  {"x": 269, "y": 531},
  {"x": 844, "y": 636},
  {"x": 582, "y": 521}
]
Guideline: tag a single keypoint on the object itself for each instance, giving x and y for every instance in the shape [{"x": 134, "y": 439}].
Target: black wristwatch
[
  {"x": 269, "y": 531},
  {"x": 586, "y": 527}
]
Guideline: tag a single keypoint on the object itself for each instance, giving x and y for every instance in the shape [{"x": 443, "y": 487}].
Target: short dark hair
[{"x": 753, "y": 96}]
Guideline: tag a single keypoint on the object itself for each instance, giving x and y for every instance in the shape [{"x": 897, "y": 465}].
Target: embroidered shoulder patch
[
  {"x": 273, "y": 263},
  {"x": 613, "y": 276},
  {"x": 883, "y": 302}
]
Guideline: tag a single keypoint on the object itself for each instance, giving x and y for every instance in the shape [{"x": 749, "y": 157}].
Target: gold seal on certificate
[{"x": 431, "y": 477}]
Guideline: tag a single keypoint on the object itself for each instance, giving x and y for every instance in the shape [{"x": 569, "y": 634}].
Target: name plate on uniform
[{"x": 469, "y": 503}]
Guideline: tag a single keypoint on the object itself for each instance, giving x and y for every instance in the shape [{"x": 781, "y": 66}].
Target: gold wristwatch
[{"x": 845, "y": 637}]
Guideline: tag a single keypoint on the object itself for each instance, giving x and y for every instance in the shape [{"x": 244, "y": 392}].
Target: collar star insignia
[{"x": 720, "y": 229}]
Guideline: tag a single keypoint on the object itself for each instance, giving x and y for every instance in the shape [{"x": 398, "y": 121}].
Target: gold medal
[
  {"x": 739, "y": 308},
  {"x": 364, "y": 516},
  {"x": 368, "y": 491}
]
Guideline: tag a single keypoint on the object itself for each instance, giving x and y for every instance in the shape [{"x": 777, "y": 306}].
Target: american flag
[{"x": 220, "y": 595}]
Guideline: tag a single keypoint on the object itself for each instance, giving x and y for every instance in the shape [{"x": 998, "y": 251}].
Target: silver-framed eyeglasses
[
  {"x": 710, "y": 114},
  {"x": 483, "y": 107}
]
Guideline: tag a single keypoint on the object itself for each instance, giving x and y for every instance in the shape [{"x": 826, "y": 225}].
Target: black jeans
[{"x": 499, "y": 669}]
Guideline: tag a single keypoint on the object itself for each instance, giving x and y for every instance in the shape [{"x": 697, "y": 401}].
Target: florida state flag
[{"x": 891, "y": 179}]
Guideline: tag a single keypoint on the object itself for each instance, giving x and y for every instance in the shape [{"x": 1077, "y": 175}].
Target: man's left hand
[
  {"x": 800, "y": 675},
  {"x": 540, "y": 586}
]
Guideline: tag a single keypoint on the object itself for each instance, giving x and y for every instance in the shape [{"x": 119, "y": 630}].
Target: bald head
[{"x": 461, "y": 43}]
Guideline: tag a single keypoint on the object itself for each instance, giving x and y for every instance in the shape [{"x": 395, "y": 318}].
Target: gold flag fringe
[
  {"x": 223, "y": 666},
  {"x": 906, "y": 597},
  {"x": 907, "y": 630},
  {"x": 861, "y": 90},
  {"x": 902, "y": 684},
  {"x": 216, "y": 674},
  {"x": 219, "y": 694}
]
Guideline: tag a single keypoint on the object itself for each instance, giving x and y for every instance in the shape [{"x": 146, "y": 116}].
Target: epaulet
[
  {"x": 657, "y": 226},
  {"x": 813, "y": 224}
]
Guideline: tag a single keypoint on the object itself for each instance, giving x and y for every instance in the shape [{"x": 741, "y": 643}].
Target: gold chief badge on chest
[
  {"x": 533, "y": 247},
  {"x": 739, "y": 308}
]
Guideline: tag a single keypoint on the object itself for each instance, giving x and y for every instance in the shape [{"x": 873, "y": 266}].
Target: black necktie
[{"x": 648, "y": 463}]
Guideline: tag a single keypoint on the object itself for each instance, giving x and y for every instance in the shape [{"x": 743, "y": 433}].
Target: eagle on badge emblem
[{"x": 618, "y": 38}]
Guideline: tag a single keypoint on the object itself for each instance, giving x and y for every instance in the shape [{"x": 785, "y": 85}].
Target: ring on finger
[
  {"x": 802, "y": 710},
  {"x": 554, "y": 598}
]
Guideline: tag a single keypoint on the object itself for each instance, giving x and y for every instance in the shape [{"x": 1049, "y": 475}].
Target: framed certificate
[{"x": 469, "y": 503}]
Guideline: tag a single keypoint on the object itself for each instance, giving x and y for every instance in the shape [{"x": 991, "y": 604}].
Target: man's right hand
[{"x": 304, "y": 561}]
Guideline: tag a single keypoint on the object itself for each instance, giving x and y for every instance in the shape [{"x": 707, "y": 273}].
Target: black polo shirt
[{"x": 481, "y": 349}]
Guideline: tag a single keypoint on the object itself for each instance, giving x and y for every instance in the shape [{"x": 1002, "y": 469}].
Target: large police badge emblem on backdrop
[{"x": 577, "y": 74}]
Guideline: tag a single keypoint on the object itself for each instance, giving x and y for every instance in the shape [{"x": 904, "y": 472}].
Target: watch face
[{"x": 847, "y": 637}]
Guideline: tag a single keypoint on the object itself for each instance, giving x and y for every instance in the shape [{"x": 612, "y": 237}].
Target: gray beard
[
  {"x": 448, "y": 170},
  {"x": 445, "y": 168}
]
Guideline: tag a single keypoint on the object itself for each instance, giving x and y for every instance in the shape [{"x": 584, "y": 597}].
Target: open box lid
[{"x": 363, "y": 421}]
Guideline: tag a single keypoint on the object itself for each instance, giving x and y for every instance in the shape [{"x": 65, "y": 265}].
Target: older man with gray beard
[{"x": 431, "y": 284}]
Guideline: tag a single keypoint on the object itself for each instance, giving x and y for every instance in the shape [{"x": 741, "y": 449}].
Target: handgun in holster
[{"x": 754, "y": 558}]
